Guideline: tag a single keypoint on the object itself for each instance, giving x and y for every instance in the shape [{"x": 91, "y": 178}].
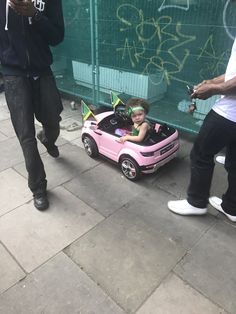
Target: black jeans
[
  {"x": 215, "y": 134},
  {"x": 26, "y": 98}
]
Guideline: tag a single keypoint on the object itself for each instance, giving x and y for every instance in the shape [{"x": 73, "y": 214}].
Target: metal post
[
  {"x": 92, "y": 49},
  {"x": 96, "y": 51}
]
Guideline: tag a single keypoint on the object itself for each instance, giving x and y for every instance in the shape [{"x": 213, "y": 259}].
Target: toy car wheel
[
  {"x": 130, "y": 168},
  {"x": 90, "y": 146}
]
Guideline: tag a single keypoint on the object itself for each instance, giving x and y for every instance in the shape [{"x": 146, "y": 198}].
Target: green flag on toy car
[
  {"x": 86, "y": 111},
  {"x": 115, "y": 100}
]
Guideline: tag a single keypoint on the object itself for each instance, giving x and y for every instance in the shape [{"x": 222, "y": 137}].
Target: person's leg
[
  {"x": 48, "y": 108},
  {"x": 213, "y": 136},
  {"x": 229, "y": 198},
  {"x": 18, "y": 91},
  {"x": 48, "y": 136},
  {"x": 227, "y": 205}
]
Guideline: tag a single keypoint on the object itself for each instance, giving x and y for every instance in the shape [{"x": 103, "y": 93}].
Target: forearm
[
  {"x": 226, "y": 88},
  {"x": 218, "y": 80},
  {"x": 134, "y": 138},
  {"x": 208, "y": 88}
]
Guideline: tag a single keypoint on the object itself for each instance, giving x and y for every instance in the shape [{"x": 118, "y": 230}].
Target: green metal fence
[{"x": 145, "y": 48}]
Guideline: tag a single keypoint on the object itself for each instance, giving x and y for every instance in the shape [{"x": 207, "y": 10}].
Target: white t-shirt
[{"x": 226, "y": 105}]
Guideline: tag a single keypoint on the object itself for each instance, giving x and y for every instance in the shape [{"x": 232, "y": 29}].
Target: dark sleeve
[{"x": 51, "y": 24}]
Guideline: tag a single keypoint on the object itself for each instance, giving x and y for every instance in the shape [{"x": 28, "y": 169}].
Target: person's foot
[
  {"x": 220, "y": 159},
  {"x": 216, "y": 203},
  {"x": 182, "y": 207},
  {"x": 51, "y": 149},
  {"x": 41, "y": 201}
]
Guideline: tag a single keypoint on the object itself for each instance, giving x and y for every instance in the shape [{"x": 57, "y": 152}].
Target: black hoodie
[{"x": 24, "y": 43}]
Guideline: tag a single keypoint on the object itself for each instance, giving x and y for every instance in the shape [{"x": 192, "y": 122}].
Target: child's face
[{"x": 138, "y": 116}]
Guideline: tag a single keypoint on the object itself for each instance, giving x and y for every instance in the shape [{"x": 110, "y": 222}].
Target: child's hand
[{"x": 123, "y": 139}]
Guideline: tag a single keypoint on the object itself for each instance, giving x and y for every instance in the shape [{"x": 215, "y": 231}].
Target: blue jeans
[
  {"x": 215, "y": 134},
  {"x": 27, "y": 98}
]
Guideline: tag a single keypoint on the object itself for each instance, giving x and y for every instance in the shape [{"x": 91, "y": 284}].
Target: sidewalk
[{"x": 107, "y": 245}]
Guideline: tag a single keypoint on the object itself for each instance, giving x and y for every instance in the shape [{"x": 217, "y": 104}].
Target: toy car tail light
[{"x": 147, "y": 154}]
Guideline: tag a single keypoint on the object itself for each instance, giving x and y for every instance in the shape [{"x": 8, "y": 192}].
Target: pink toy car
[{"x": 102, "y": 137}]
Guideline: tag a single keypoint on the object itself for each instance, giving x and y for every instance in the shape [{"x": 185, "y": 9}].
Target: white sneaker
[
  {"x": 220, "y": 159},
  {"x": 216, "y": 202},
  {"x": 182, "y": 207}
]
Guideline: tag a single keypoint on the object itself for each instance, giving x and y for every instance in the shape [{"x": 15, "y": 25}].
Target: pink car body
[{"x": 144, "y": 158}]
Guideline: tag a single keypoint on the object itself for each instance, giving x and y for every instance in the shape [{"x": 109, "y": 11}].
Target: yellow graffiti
[
  {"x": 147, "y": 31},
  {"x": 216, "y": 63},
  {"x": 135, "y": 14}
]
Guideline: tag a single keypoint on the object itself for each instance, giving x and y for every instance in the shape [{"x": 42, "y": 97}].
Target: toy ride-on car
[{"x": 99, "y": 136}]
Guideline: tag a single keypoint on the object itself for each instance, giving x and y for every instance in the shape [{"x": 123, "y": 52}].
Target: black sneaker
[
  {"x": 41, "y": 201},
  {"x": 51, "y": 149}
]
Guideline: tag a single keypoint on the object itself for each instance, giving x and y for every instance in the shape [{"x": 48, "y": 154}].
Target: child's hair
[{"x": 135, "y": 103}]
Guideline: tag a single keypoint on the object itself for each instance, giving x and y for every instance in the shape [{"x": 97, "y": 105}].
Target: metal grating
[{"x": 148, "y": 49}]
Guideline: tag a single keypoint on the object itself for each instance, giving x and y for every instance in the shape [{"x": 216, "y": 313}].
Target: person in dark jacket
[{"x": 27, "y": 29}]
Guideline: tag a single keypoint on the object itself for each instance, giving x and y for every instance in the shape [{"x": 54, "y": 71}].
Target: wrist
[{"x": 217, "y": 89}]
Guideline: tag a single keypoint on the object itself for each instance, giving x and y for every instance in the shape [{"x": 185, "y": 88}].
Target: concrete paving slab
[
  {"x": 185, "y": 147},
  {"x": 10, "y": 272},
  {"x": 174, "y": 296},
  {"x": 104, "y": 188},
  {"x": 14, "y": 190},
  {"x": 126, "y": 257},
  {"x": 10, "y": 153},
  {"x": 58, "y": 287},
  {"x": 2, "y": 100},
  {"x": 69, "y": 113},
  {"x": 174, "y": 177},
  {"x": 70, "y": 136},
  {"x": 72, "y": 162},
  {"x": 151, "y": 207},
  {"x": 78, "y": 141},
  {"x": 68, "y": 122},
  {"x": 7, "y": 129},
  {"x": 40, "y": 235},
  {"x": 2, "y": 137},
  {"x": 8, "y": 158},
  {"x": 4, "y": 113},
  {"x": 210, "y": 266}
]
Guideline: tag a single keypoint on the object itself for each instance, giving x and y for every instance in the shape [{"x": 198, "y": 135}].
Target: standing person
[
  {"x": 27, "y": 29},
  {"x": 218, "y": 131}
]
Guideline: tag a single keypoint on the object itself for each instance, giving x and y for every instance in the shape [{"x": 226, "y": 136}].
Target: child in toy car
[
  {"x": 101, "y": 136},
  {"x": 137, "y": 109}
]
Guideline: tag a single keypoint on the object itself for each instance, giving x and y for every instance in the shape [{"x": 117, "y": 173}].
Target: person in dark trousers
[
  {"x": 217, "y": 132},
  {"x": 27, "y": 29}
]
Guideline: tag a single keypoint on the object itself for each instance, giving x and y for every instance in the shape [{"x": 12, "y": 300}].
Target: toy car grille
[{"x": 166, "y": 148}]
